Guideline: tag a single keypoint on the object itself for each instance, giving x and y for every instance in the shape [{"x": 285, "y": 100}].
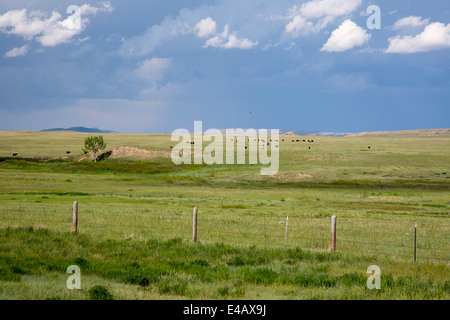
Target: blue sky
[{"x": 154, "y": 66}]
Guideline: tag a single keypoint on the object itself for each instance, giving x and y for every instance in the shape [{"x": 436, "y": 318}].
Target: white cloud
[
  {"x": 61, "y": 32},
  {"x": 205, "y": 22},
  {"x": 18, "y": 22},
  {"x": 300, "y": 23},
  {"x": 228, "y": 41},
  {"x": 153, "y": 69},
  {"x": 410, "y": 22},
  {"x": 347, "y": 36},
  {"x": 435, "y": 36},
  {"x": 16, "y": 52},
  {"x": 206, "y": 27},
  {"x": 47, "y": 29},
  {"x": 332, "y": 8},
  {"x": 234, "y": 42},
  {"x": 316, "y": 15},
  {"x": 87, "y": 9}
]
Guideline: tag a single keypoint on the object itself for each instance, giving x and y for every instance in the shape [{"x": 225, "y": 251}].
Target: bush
[
  {"x": 100, "y": 293},
  {"x": 82, "y": 263},
  {"x": 17, "y": 270}
]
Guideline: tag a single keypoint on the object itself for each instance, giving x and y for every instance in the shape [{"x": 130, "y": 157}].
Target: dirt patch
[
  {"x": 126, "y": 152},
  {"x": 291, "y": 176},
  {"x": 286, "y": 176},
  {"x": 133, "y": 153}
]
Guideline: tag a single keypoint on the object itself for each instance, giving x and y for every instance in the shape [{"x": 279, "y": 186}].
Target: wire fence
[{"x": 385, "y": 236}]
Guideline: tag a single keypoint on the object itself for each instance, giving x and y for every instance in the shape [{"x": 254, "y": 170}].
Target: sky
[{"x": 155, "y": 66}]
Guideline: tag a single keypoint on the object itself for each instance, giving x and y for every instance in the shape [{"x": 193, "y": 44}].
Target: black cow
[{"x": 14, "y": 154}]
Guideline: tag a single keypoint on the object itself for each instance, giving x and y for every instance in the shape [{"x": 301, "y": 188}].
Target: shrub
[
  {"x": 100, "y": 293},
  {"x": 17, "y": 270}
]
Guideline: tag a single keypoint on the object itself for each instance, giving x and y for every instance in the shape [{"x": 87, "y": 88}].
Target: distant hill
[
  {"x": 330, "y": 134},
  {"x": 294, "y": 132},
  {"x": 81, "y": 129},
  {"x": 419, "y": 132}
]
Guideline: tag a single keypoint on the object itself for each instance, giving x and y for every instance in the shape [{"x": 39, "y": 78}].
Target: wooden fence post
[
  {"x": 285, "y": 235},
  {"x": 333, "y": 233},
  {"x": 415, "y": 240},
  {"x": 75, "y": 217},
  {"x": 194, "y": 227}
]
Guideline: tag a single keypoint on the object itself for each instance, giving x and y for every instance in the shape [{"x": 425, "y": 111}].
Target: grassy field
[{"x": 135, "y": 224}]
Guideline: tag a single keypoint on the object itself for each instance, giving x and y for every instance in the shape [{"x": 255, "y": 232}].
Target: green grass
[
  {"x": 176, "y": 269},
  {"x": 135, "y": 221}
]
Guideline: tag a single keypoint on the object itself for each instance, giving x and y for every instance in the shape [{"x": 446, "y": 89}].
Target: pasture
[{"x": 135, "y": 220}]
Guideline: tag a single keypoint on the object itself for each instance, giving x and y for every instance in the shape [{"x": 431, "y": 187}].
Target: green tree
[{"x": 94, "y": 145}]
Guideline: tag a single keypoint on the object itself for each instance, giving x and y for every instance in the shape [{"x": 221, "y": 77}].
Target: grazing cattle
[
  {"x": 369, "y": 147},
  {"x": 293, "y": 140},
  {"x": 312, "y": 141},
  {"x": 67, "y": 152},
  {"x": 309, "y": 147},
  {"x": 297, "y": 140},
  {"x": 267, "y": 143},
  {"x": 282, "y": 140},
  {"x": 303, "y": 140},
  {"x": 14, "y": 154}
]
